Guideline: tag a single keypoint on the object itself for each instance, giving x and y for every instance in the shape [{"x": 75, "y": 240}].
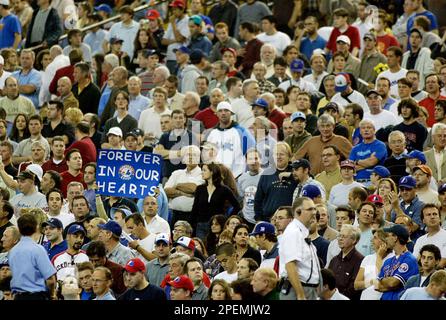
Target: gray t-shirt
[
  {"x": 416, "y": 294},
  {"x": 39, "y": 25},
  {"x": 156, "y": 272},
  {"x": 34, "y": 200},
  {"x": 247, "y": 187}
]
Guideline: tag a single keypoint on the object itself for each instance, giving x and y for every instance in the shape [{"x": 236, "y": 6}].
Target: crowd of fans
[{"x": 303, "y": 145}]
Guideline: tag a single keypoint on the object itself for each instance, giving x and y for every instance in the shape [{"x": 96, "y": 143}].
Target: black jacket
[{"x": 53, "y": 28}]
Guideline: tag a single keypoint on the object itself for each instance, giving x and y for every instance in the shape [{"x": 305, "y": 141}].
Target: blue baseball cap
[
  {"x": 297, "y": 65},
  {"x": 53, "y": 223},
  {"x": 263, "y": 228},
  {"x": 407, "y": 182},
  {"x": 417, "y": 154},
  {"x": 381, "y": 171},
  {"x": 111, "y": 226},
  {"x": 124, "y": 209},
  {"x": 399, "y": 230},
  {"x": 75, "y": 228},
  {"x": 442, "y": 188},
  {"x": 311, "y": 191},
  {"x": 298, "y": 115},
  {"x": 342, "y": 81},
  {"x": 301, "y": 163},
  {"x": 260, "y": 103},
  {"x": 196, "y": 55},
  {"x": 182, "y": 49},
  {"x": 104, "y": 7}
]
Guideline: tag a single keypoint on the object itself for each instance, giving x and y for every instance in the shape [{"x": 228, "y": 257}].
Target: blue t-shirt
[
  {"x": 402, "y": 268},
  {"x": 363, "y": 151},
  {"x": 33, "y": 77},
  {"x": 432, "y": 18},
  {"x": 356, "y": 137},
  {"x": 307, "y": 46},
  {"x": 55, "y": 250},
  {"x": 11, "y": 26}
]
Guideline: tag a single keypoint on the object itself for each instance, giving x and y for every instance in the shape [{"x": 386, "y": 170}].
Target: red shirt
[
  {"x": 207, "y": 117},
  {"x": 386, "y": 41},
  {"x": 351, "y": 32},
  {"x": 429, "y": 104},
  {"x": 252, "y": 55},
  {"x": 50, "y": 165},
  {"x": 67, "y": 178},
  {"x": 277, "y": 116},
  {"x": 62, "y": 72},
  {"x": 86, "y": 148}
]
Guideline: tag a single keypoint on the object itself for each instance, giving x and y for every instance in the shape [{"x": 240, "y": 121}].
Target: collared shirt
[
  {"x": 413, "y": 210},
  {"x": 439, "y": 159},
  {"x": 269, "y": 258},
  {"x": 24, "y": 147},
  {"x": 316, "y": 79},
  {"x": 95, "y": 40},
  {"x": 157, "y": 225},
  {"x": 120, "y": 254},
  {"x": 156, "y": 272},
  {"x": 293, "y": 248},
  {"x": 56, "y": 249},
  {"x": 304, "y": 85},
  {"x": 30, "y": 266},
  {"x": 107, "y": 296},
  {"x": 201, "y": 293},
  {"x": 137, "y": 105},
  {"x": 33, "y": 77},
  {"x": 266, "y": 86}
]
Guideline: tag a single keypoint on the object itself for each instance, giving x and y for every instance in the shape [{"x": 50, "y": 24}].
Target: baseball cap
[
  {"x": 150, "y": 52},
  {"x": 196, "y": 55},
  {"x": 344, "y": 39},
  {"x": 177, "y": 4},
  {"x": 232, "y": 50},
  {"x": 381, "y": 171},
  {"x": 196, "y": 19},
  {"x": 182, "y": 49},
  {"x": 263, "y": 228},
  {"x": 407, "y": 182},
  {"x": 182, "y": 282},
  {"x": 185, "y": 242},
  {"x": 332, "y": 105},
  {"x": 25, "y": 175},
  {"x": 423, "y": 168},
  {"x": 369, "y": 35},
  {"x": 134, "y": 265},
  {"x": 260, "y": 103},
  {"x": 75, "y": 228},
  {"x": 416, "y": 154},
  {"x": 342, "y": 81},
  {"x": 116, "y": 131},
  {"x": 311, "y": 191},
  {"x": 53, "y": 223},
  {"x": 111, "y": 226},
  {"x": 152, "y": 14},
  {"x": 4, "y": 2},
  {"x": 116, "y": 40},
  {"x": 375, "y": 198},
  {"x": 417, "y": 31},
  {"x": 122, "y": 208},
  {"x": 296, "y": 65},
  {"x": 442, "y": 188},
  {"x": 301, "y": 163},
  {"x": 35, "y": 169},
  {"x": 370, "y": 92},
  {"x": 399, "y": 230},
  {"x": 224, "y": 105},
  {"x": 164, "y": 237},
  {"x": 138, "y": 132},
  {"x": 348, "y": 164},
  {"x": 298, "y": 115},
  {"x": 104, "y": 7}
]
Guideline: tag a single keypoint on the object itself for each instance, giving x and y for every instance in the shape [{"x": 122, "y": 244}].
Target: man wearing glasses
[{"x": 299, "y": 267}]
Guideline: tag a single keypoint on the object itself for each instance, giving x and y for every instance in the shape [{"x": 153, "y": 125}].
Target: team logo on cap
[
  {"x": 131, "y": 263},
  {"x": 177, "y": 279},
  {"x": 403, "y": 268},
  {"x": 126, "y": 172},
  {"x": 404, "y": 180}
]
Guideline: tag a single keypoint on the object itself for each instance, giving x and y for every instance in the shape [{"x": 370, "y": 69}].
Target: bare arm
[
  {"x": 367, "y": 163},
  {"x": 159, "y": 149},
  {"x": 297, "y": 12},
  {"x": 51, "y": 284},
  {"x": 146, "y": 254},
  {"x": 360, "y": 280},
  {"x": 387, "y": 284},
  {"x": 7, "y": 179},
  {"x": 19, "y": 159},
  {"x": 174, "y": 193},
  {"x": 100, "y": 209},
  {"x": 27, "y": 88},
  {"x": 17, "y": 39},
  {"x": 187, "y": 187}
]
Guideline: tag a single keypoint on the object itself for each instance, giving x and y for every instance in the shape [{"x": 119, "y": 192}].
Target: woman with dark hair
[
  {"x": 199, "y": 245},
  {"x": 11, "y": 60},
  {"x": 216, "y": 227},
  {"x": 43, "y": 59},
  {"x": 144, "y": 40},
  {"x": 20, "y": 130},
  {"x": 241, "y": 244},
  {"x": 99, "y": 77},
  {"x": 219, "y": 290},
  {"x": 210, "y": 198}
]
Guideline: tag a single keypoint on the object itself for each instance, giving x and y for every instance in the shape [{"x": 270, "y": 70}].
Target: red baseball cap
[
  {"x": 232, "y": 50},
  {"x": 375, "y": 198},
  {"x": 177, "y": 4},
  {"x": 135, "y": 265},
  {"x": 182, "y": 282},
  {"x": 185, "y": 242},
  {"x": 152, "y": 14}
]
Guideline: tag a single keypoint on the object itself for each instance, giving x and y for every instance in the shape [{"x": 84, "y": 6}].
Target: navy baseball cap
[
  {"x": 417, "y": 154},
  {"x": 298, "y": 115},
  {"x": 196, "y": 55},
  {"x": 104, "y": 7},
  {"x": 53, "y": 223},
  {"x": 138, "y": 132},
  {"x": 399, "y": 230},
  {"x": 381, "y": 171},
  {"x": 75, "y": 228},
  {"x": 124, "y": 209},
  {"x": 297, "y": 65},
  {"x": 182, "y": 49},
  {"x": 407, "y": 182},
  {"x": 116, "y": 40},
  {"x": 301, "y": 163},
  {"x": 442, "y": 188},
  {"x": 263, "y": 228},
  {"x": 260, "y": 103},
  {"x": 311, "y": 191},
  {"x": 111, "y": 226}
]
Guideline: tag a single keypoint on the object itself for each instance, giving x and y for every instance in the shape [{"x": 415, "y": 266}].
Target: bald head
[
  {"x": 120, "y": 75},
  {"x": 55, "y": 51},
  {"x": 64, "y": 86}
]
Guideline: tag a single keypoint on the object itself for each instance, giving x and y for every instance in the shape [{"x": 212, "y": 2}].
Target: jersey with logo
[
  {"x": 402, "y": 267},
  {"x": 65, "y": 263}
]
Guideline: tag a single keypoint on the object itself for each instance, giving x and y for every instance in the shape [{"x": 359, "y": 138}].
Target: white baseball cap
[
  {"x": 224, "y": 105},
  {"x": 114, "y": 130},
  {"x": 2, "y": 61},
  {"x": 344, "y": 39},
  {"x": 35, "y": 168},
  {"x": 162, "y": 237},
  {"x": 4, "y": 2}
]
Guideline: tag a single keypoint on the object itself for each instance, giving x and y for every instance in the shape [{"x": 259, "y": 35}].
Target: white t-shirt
[
  {"x": 339, "y": 193},
  {"x": 183, "y": 28},
  {"x": 371, "y": 273},
  {"x": 149, "y": 121},
  {"x": 229, "y": 278},
  {"x": 3, "y": 77},
  {"x": 382, "y": 119},
  {"x": 279, "y": 40},
  {"x": 355, "y": 97},
  {"x": 148, "y": 243},
  {"x": 394, "y": 109},
  {"x": 438, "y": 239},
  {"x": 393, "y": 77},
  {"x": 65, "y": 218}
]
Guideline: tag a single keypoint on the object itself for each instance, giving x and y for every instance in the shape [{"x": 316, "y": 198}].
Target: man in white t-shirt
[
  {"x": 345, "y": 94},
  {"x": 380, "y": 117},
  {"x": 135, "y": 225},
  {"x": 227, "y": 256},
  {"x": 3, "y": 75},
  {"x": 270, "y": 34},
  {"x": 395, "y": 72}
]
